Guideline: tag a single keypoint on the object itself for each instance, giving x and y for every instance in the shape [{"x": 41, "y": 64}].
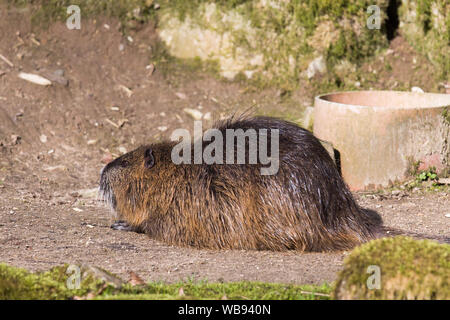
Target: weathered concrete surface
[{"x": 381, "y": 134}]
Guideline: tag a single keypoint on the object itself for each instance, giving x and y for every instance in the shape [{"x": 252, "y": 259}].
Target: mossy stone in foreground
[
  {"x": 409, "y": 269},
  {"x": 17, "y": 283}
]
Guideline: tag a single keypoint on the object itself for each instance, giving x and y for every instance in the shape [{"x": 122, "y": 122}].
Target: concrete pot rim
[{"x": 443, "y": 100}]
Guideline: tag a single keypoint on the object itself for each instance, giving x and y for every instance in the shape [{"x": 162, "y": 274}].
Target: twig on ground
[{"x": 9, "y": 63}]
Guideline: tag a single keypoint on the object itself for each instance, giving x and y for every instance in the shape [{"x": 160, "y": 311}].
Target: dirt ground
[{"x": 55, "y": 140}]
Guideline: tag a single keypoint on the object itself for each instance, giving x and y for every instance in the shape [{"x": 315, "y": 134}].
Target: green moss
[
  {"x": 426, "y": 25},
  {"x": 183, "y": 8},
  {"x": 46, "y": 12},
  {"x": 285, "y": 33},
  {"x": 185, "y": 68},
  {"x": 16, "y": 283},
  {"x": 19, "y": 284},
  {"x": 232, "y": 290},
  {"x": 287, "y": 110},
  {"x": 288, "y": 34},
  {"x": 446, "y": 115},
  {"x": 410, "y": 269},
  {"x": 424, "y": 12}
]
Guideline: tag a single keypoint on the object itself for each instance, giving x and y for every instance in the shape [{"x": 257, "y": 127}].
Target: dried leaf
[
  {"x": 34, "y": 78},
  {"x": 135, "y": 280}
]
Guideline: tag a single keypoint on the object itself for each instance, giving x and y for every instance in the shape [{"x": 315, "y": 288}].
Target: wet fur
[{"x": 306, "y": 206}]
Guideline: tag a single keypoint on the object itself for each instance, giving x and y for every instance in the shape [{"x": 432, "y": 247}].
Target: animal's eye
[
  {"x": 124, "y": 163},
  {"x": 149, "y": 160}
]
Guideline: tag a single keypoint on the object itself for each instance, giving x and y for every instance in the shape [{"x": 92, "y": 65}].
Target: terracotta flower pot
[{"x": 380, "y": 135}]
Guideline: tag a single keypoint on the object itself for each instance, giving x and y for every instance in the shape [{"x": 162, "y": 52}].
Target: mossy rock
[
  {"x": 268, "y": 43},
  {"x": 409, "y": 269},
  {"x": 271, "y": 42},
  {"x": 17, "y": 283},
  {"x": 426, "y": 25}
]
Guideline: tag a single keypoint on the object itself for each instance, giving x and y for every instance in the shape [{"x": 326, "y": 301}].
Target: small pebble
[
  {"x": 107, "y": 158},
  {"x": 150, "y": 68},
  {"x": 181, "y": 95},
  {"x": 195, "y": 114},
  {"x": 207, "y": 116}
]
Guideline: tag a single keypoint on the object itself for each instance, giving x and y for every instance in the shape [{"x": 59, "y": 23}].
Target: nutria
[{"x": 305, "y": 206}]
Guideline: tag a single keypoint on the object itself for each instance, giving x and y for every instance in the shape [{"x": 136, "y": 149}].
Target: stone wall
[
  {"x": 273, "y": 41},
  {"x": 426, "y": 25}
]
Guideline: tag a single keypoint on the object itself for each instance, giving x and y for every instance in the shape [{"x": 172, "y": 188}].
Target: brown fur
[{"x": 306, "y": 206}]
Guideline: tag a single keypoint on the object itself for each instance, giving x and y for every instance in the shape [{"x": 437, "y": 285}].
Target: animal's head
[{"x": 124, "y": 180}]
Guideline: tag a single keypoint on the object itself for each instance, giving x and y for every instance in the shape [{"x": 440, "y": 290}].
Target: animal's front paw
[{"x": 121, "y": 225}]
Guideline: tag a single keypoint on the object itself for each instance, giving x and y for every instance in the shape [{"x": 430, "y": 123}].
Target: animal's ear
[{"x": 149, "y": 160}]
